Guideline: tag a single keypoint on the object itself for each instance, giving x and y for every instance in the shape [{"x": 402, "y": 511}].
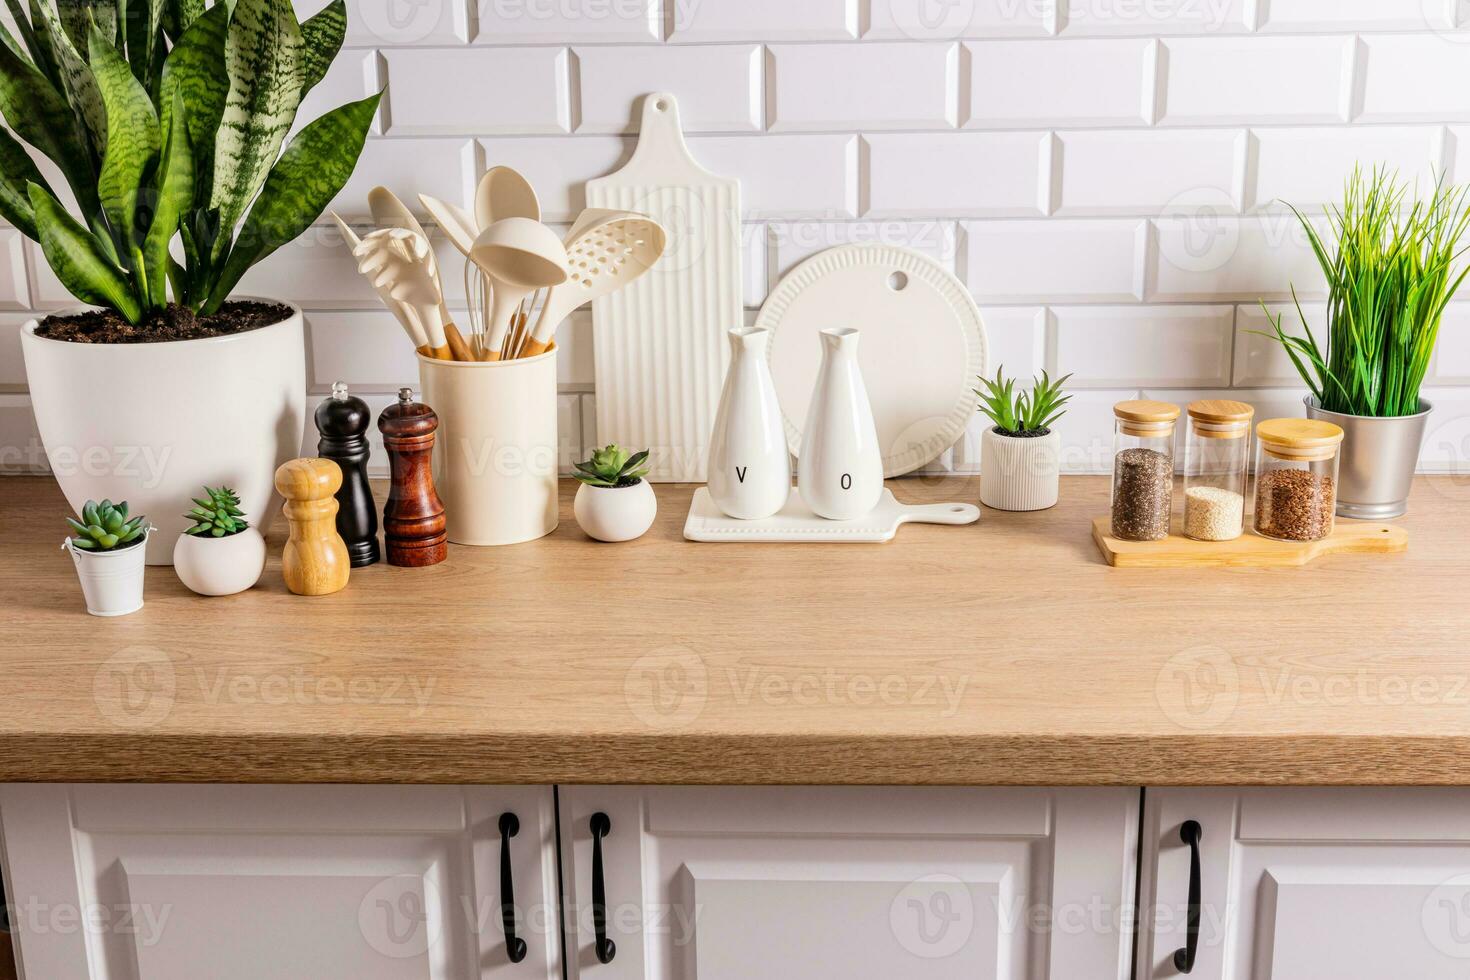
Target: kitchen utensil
[
  {"x": 348, "y": 235},
  {"x": 518, "y": 256},
  {"x": 343, "y": 420},
  {"x": 606, "y": 250},
  {"x": 399, "y": 261},
  {"x": 749, "y": 464},
  {"x": 458, "y": 224},
  {"x": 495, "y": 459},
  {"x": 796, "y": 522},
  {"x": 840, "y": 475},
  {"x": 376, "y": 257},
  {"x": 413, "y": 517},
  {"x": 314, "y": 560},
  {"x": 1250, "y": 550},
  {"x": 661, "y": 352},
  {"x": 389, "y": 212},
  {"x": 504, "y": 193},
  {"x": 923, "y": 345}
]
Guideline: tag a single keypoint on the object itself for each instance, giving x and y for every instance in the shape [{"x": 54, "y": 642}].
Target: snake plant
[
  {"x": 217, "y": 513},
  {"x": 613, "y": 466},
  {"x": 165, "y": 118},
  {"x": 106, "y": 527}
]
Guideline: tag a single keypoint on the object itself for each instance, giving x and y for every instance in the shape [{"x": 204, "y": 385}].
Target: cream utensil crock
[{"x": 495, "y": 455}]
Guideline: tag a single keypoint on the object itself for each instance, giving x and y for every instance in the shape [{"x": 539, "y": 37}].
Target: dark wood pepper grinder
[
  {"x": 413, "y": 517},
  {"x": 343, "y": 421}
]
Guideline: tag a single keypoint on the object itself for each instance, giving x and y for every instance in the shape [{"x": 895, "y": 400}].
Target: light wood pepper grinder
[
  {"x": 413, "y": 517},
  {"x": 315, "y": 560}
]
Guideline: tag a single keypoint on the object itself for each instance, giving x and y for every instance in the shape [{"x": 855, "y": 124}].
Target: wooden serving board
[{"x": 1248, "y": 550}]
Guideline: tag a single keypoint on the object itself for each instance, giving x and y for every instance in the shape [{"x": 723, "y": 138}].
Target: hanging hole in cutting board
[
  {"x": 898, "y": 282},
  {"x": 662, "y": 105}
]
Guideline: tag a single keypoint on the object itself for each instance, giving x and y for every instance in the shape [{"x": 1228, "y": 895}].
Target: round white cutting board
[{"x": 921, "y": 350}]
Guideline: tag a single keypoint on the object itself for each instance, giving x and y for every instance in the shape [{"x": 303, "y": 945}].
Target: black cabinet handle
[
  {"x": 1190, "y": 833},
  {"x": 601, "y": 826},
  {"x": 515, "y": 948}
]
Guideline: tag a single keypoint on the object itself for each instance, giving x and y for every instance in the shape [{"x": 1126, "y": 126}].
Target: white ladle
[
  {"x": 606, "y": 250},
  {"x": 518, "y": 256}
]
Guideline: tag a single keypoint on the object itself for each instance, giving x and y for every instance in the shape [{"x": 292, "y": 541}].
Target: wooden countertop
[{"x": 1001, "y": 653}]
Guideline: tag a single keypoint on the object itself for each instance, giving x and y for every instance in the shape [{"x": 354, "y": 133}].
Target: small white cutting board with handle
[
  {"x": 796, "y": 522},
  {"x": 659, "y": 342}
]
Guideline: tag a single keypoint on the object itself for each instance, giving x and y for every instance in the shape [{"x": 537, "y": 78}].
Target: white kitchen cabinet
[
  {"x": 795, "y": 883},
  {"x": 133, "y": 882},
  {"x": 1310, "y": 883}
]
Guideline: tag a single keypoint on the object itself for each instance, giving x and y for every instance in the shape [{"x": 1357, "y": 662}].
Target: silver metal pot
[{"x": 1379, "y": 456}]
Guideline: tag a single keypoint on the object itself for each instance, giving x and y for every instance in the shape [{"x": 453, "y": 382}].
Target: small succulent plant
[
  {"x": 613, "y": 467},
  {"x": 106, "y": 527},
  {"x": 219, "y": 515},
  {"x": 1019, "y": 413}
]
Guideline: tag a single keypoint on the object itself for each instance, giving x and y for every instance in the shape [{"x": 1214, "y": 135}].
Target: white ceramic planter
[
  {"x": 220, "y": 566},
  {"x": 615, "y": 513},
  {"x": 1019, "y": 473},
  {"x": 495, "y": 452},
  {"x": 151, "y": 423},
  {"x": 112, "y": 581}
]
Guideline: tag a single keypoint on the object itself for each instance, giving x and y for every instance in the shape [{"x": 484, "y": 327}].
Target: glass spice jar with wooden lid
[
  {"x": 1143, "y": 469},
  {"x": 1296, "y": 478},
  {"x": 1216, "y": 458}
]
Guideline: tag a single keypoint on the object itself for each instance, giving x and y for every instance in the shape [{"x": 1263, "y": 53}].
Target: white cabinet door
[
  {"x": 1310, "y": 884},
  {"x": 131, "y": 882},
  {"x": 801, "y": 883}
]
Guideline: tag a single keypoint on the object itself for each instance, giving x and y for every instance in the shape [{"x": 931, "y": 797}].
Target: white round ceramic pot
[
  {"x": 220, "y": 566},
  {"x": 1019, "y": 472},
  {"x": 615, "y": 513},
  {"x": 112, "y": 581},
  {"x": 151, "y": 423}
]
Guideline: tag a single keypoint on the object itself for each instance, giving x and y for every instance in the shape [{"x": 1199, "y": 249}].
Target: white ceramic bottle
[
  {"x": 749, "y": 462},
  {"x": 840, "y": 473}
]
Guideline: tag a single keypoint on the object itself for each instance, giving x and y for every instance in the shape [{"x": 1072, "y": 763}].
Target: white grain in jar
[{"x": 1213, "y": 513}]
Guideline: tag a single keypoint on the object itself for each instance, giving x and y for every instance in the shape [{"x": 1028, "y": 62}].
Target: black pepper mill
[
  {"x": 413, "y": 517},
  {"x": 343, "y": 422}
]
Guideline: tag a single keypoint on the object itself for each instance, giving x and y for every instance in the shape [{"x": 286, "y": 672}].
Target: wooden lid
[
  {"x": 1146, "y": 412},
  {"x": 1300, "y": 436},
  {"x": 1220, "y": 411}
]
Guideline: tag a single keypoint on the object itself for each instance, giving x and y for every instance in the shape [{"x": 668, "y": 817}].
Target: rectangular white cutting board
[{"x": 659, "y": 343}]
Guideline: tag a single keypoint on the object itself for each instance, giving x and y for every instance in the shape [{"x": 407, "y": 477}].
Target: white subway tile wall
[{"x": 1107, "y": 177}]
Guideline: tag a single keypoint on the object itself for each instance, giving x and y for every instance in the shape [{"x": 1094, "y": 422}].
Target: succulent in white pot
[
  {"x": 1020, "y": 453},
  {"x": 107, "y": 547},
  {"x": 170, "y": 134},
  {"x": 614, "y": 502},
  {"x": 220, "y": 553}
]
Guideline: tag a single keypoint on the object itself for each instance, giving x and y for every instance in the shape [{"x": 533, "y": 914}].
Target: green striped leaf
[
  {"x": 17, "y": 169},
  {"x": 322, "y": 35},
  {"x": 183, "y": 14},
  {"x": 175, "y": 189},
  {"x": 38, "y": 47},
  {"x": 309, "y": 174},
  {"x": 76, "y": 77},
  {"x": 192, "y": 71},
  {"x": 40, "y": 115},
  {"x": 132, "y": 136},
  {"x": 263, "y": 55},
  {"x": 78, "y": 261}
]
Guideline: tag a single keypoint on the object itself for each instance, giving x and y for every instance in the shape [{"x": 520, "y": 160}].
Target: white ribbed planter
[{"x": 1019, "y": 474}]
